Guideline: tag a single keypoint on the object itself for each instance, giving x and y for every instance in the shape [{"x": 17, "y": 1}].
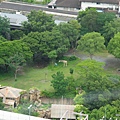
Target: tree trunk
[
  {"x": 91, "y": 56},
  {"x": 16, "y": 75}
]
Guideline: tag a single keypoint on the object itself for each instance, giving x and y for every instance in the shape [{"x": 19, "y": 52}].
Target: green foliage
[
  {"x": 80, "y": 108},
  {"x": 4, "y": 26},
  {"x": 71, "y": 58},
  {"x": 2, "y": 39},
  {"x": 38, "y": 21},
  {"x": 45, "y": 45},
  {"x": 91, "y": 43},
  {"x": 92, "y": 77},
  {"x": 8, "y": 49},
  {"x": 110, "y": 29},
  {"x": 91, "y": 20},
  {"x": 49, "y": 94},
  {"x": 108, "y": 111},
  {"x": 71, "y": 31},
  {"x": 16, "y": 34},
  {"x": 114, "y": 46},
  {"x": 71, "y": 71},
  {"x": 23, "y": 108},
  {"x": 79, "y": 100},
  {"x": 59, "y": 83},
  {"x": 1, "y": 104}
]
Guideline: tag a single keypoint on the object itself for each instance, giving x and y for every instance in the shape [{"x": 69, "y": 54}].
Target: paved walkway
[
  {"x": 109, "y": 60},
  {"x": 4, "y": 115}
]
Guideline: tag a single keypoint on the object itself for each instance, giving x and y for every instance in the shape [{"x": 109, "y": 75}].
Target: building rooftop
[
  {"x": 65, "y": 111},
  {"x": 10, "y": 92},
  {"x": 15, "y": 19},
  {"x": 102, "y": 1}
]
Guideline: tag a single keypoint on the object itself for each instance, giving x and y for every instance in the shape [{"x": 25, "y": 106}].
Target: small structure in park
[
  {"x": 10, "y": 95},
  {"x": 66, "y": 112},
  {"x": 64, "y": 62}
]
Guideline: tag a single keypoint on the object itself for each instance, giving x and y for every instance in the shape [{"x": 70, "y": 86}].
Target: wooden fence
[{"x": 63, "y": 101}]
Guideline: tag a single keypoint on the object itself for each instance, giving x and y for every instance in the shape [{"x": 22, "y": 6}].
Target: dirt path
[{"x": 110, "y": 61}]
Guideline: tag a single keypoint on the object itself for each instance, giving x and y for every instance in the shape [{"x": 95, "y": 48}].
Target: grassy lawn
[
  {"x": 36, "y": 77},
  {"x": 41, "y": 77}
]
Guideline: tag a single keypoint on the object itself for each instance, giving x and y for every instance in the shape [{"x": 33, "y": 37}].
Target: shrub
[
  {"x": 71, "y": 71},
  {"x": 72, "y": 58}
]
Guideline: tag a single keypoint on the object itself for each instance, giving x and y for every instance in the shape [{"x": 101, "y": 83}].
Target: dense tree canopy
[
  {"x": 9, "y": 48},
  {"x": 110, "y": 29},
  {"x": 91, "y": 43},
  {"x": 114, "y": 46},
  {"x": 98, "y": 87},
  {"x": 71, "y": 30},
  {"x": 47, "y": 44},
  {"x": 4, "y": 26},
  {"x": 59, "y": 83},
  {"x": 91, "y": 20},
  {"x": 16, "y": 34},
  {"x": 38, "y": 21}
]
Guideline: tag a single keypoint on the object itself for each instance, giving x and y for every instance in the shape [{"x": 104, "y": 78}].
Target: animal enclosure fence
[{"x": 63, "y": 101}]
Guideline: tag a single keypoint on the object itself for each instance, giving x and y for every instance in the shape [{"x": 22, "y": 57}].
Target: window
[{"x": 98, "y": 3}]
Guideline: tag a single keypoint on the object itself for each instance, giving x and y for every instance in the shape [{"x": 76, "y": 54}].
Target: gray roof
[
  {"x": 58, "y": 111},
  {"x": 102, "y": 1},
  {"x": 68, "y": 3},
  {"x": 77, "y": 3},
  {"x": 15, "y": 19}
]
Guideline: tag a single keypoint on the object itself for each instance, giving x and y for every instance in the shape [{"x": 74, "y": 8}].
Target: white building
[
  {"x": 110, "y": 5},
  {"x": 75, "y": 5}
]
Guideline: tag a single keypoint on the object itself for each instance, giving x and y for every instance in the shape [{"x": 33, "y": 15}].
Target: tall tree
[
  {"x": 110, "y": 29},
  {"x": 71, "y": 30},
  {"x": 59, "y": 83},
  {"x": 114, "y": 45},
  {"x": 38, "y": 21},
  {"x": 94, "y": 81},
  {"x": 91, "y": 43},
  {"x": 47, "y": 45},
  {"x": 91, "y": 20},
  {"x": 16, "y": 34},
  {"x": 9, "y": 48},
  {"x": 16, "y": 62},
  {"x": 4, "y": 26}
]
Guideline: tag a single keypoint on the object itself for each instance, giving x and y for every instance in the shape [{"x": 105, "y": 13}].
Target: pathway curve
[{"x": 109, "y": 60}]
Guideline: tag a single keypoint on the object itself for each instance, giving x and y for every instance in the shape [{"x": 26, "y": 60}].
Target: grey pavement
[
  {"x": 4, "y": 115},
  {"x": 29, "y": 7}
]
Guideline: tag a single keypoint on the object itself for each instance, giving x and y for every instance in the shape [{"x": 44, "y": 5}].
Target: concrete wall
[{"x": 85, "y": 5}]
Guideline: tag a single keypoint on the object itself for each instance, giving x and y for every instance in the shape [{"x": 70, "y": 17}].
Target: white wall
[
  {"x": 85, "y": 5},
  {"x": 68, "y": 9}
]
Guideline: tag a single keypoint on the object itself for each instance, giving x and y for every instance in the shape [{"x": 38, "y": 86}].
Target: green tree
[
  {"x": 71, "y": 30},
  {"x": 46, "y": 45},
  {"x": 91, "y": 43},
  {"x": 16, "y": 62},
  {"x": 38, "y": 21},
  {"x": 4, "y": 26},
  {"x": 16, "y": 34},
  {"x": 110, "y": 29},
  {"x": 71, "y": 87},
  {"x": 108, "y": 111},
  {"x": 94, "y": 81},
  {"x": 2, "y": 39},
  {"x": 59, "y": 83},
  {"x": 114, "y": 46},
  {"x": 91, "y": 20},
  {"x": 9, "y": 48}
]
